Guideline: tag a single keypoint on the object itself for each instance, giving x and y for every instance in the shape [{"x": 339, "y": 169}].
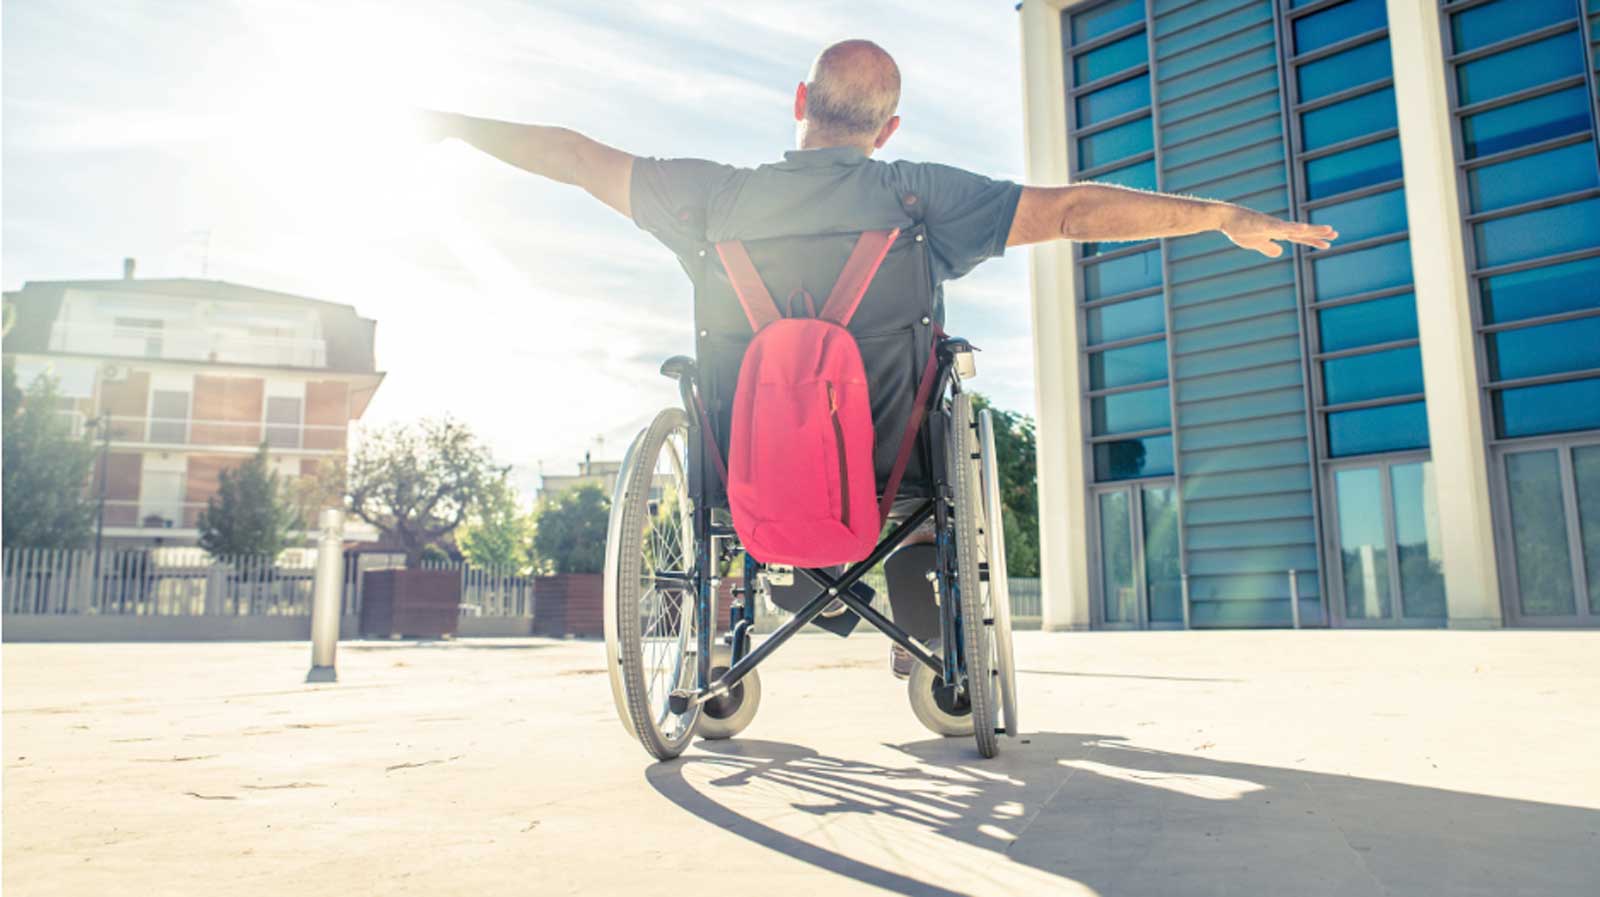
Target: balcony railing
[
  {"x": 189, "y": 344},
  {"x": 151, "y": 514},
  {"x": 248, "y": 434}
]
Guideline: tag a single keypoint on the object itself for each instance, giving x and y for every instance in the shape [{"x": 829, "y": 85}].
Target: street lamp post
[{"x": 102, "y": 424}]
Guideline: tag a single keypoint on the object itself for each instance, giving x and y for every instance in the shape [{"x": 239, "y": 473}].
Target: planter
[
  {"x": 571, "y": 604},
  {"x": 416, "y": 603},
  {"x": 568, "y": 604}
]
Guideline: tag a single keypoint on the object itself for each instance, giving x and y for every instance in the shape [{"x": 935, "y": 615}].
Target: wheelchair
[{"x": 670, "y": 540}]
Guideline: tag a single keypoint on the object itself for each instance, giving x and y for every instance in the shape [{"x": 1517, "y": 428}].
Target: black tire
[
  {"x": 962, "y": 469},
  {"x": 655, "y": 625}
]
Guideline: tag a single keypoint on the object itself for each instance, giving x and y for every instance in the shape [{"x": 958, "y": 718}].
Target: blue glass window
[
  {"x": 1538, "y": 233},
  {"x": 1551, "y": 408},
  {"x": 1383, "y": 429},
  {"x": 1369, "y": 216},
  {"x": 1127, "y": 412},
  {"x": 1353, "y": 169},
  {"x": 1366, "y": 114},
  {"x": 1551, "y": 290},
  {"x": 1128, "y": 365},
  {"x": 1139, "y": 317},
  {"x": 1545, "y": 349},
  {"x": 1368, "y": 323},
  {"x": 1122, "y": 275},
  {"x": 1337, "y": 23},
  {"x": 1357, "y": 378},
  {"x": 1110, "y": 102},
  {"x": 1375, "y": 268},
  {"x": 1140, "y": 176},
  {"x": 1549, "y": 173},
  {"x": 1130, "y": 458},
  {"x": 1358, "y": 65},
  {"x": 1105, "y": 19},
  {"x": 1532, "y": 64},
  {"x": 1493, "y": 22},
  {"x": 1120, "y": 142},
  {"x": 1110, "y": 59},
  {"x": 1530, "y": 121}
]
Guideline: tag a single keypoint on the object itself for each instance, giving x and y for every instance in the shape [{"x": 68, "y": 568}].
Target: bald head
[{"x": 851, "y": 94}]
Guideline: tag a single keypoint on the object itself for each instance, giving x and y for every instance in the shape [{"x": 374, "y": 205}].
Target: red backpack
[{"x": 801, "y": 482}]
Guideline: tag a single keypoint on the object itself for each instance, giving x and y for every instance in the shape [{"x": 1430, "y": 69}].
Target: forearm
[
  {"x": 1111, "y": 213},
  {"x": 559, "y": 154},
  {"x": 552, "y": 152}
]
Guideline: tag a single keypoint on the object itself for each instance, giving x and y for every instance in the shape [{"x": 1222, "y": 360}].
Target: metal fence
[
  {"x": 180, "y": 582},
  {"x": 1025, "y": 600}
]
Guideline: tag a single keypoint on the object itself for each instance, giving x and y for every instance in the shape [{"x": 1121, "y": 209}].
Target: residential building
[
  {"x": 590, "y": 472},
  {"x": 187, "y": 378},
  {"x": 1403, "y": 430}
]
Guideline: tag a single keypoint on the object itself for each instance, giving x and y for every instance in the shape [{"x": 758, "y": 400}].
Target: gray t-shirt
[{"x": 687, "y": 203}]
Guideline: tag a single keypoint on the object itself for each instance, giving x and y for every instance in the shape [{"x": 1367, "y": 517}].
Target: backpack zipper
[{"x": 838, "y": 441}]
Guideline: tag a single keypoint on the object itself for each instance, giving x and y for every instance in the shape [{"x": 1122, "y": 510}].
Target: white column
[
  {"x": 1444, "y": 317},
  {"x": 1063, "y": 527},
  {"x": 327, "y": 598}
]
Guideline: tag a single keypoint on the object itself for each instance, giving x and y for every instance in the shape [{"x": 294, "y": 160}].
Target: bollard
[
  {"x": 1294, "y": 597},
  {"x": 327, "y": 597}
]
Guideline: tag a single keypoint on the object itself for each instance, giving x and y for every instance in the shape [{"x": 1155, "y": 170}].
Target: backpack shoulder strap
[
  {"x": 857, "y": 274},
  {"x": 759, "y": 306}
]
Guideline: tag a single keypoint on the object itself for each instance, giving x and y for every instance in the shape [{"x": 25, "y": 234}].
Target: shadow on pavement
[{"x": 1093, "y": 811}]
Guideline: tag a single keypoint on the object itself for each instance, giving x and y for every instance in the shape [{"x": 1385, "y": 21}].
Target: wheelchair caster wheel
[
  {"x": 727, "y": 716},
  {"x": 934, "y": 703}
]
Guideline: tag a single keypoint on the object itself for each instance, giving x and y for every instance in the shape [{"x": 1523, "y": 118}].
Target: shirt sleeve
[
  {"x": 967, "y": 215},
  {"x": 669, "y": 199}
]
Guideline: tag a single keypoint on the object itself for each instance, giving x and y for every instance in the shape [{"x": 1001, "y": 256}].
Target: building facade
[
  {"x": 182, "y": 379},
  {"x": 1403, "y": 430}
]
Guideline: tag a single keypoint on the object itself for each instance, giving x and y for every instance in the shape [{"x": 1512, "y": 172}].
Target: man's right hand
[{"x": 432, "y": 126}]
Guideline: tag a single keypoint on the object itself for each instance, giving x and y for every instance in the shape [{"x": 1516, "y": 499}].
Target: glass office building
[{"x": 1403, "y": 430}]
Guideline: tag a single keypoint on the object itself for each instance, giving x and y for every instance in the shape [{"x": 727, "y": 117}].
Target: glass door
[
  {"x": 1140, "y": 582},
  {"x": 1389, "y": 566},
  {"x": 1552, "y": 505}
]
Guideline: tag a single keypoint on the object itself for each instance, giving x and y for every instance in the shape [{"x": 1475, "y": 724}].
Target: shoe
[{"x": 900, "y": 662}]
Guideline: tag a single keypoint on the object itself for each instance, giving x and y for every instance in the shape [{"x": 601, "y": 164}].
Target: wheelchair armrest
[{"x": 677, "y": 366}]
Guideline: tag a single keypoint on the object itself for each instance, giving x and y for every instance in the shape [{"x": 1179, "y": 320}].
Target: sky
[{"x": 261, "y": 143}]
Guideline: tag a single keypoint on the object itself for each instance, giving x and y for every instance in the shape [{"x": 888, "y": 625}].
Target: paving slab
[{"x": 1161, "y": 763}]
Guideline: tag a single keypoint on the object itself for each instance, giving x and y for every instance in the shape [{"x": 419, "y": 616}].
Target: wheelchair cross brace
[{"x": 833, "y": 588}]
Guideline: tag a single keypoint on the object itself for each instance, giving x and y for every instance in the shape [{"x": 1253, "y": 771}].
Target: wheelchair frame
[{"x": 830, "y": 587}]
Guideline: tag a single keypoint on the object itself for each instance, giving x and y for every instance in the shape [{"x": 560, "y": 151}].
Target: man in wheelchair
[{"x": 887, "y": 464}]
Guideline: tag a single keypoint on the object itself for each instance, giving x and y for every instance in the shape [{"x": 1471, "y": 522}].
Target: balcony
[
  {"x": 167, "y": 432},
  {"x": 189, "y": 344},
  {"x": 153, "y": 514}
]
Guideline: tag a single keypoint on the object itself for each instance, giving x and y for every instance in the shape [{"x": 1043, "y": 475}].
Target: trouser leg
[{"x": 911, "y": 597}]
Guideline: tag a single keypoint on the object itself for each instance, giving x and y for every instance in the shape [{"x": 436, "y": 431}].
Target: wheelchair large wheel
[
  {"x": 977, "y": 644},
  {"x": 651, "y": 638},
  {"x": 999, "y": 587}
]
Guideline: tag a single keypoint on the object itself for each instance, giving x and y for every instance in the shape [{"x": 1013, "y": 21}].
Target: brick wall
[
  {"x": 327, "y": 405},
  {"x": 128, "y": 398},
  {"x": 238, "y": 400}
]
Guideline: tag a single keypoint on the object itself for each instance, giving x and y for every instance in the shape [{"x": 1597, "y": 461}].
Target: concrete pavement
[{"x": 1228, "y": 763}]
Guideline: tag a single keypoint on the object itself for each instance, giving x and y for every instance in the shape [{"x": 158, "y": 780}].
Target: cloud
[{"x": 521, "y": 306}]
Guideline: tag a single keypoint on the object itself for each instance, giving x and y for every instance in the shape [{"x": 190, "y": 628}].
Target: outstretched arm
[
  {"x": 1110, "y": 213},
  {"x": 556, "y": 153}
]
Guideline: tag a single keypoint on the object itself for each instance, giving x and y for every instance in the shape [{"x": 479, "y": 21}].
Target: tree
[
  {"x": 1019, "y": 490},
  {"x": 570, "y": 532},
  {"x": 311, "y": 494},
  {"x": 249, "y": 516},
  {"x": 498, "y": 534},
  {"x": 417, "y": 482},
  {"x": 46, "y": 470}
]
